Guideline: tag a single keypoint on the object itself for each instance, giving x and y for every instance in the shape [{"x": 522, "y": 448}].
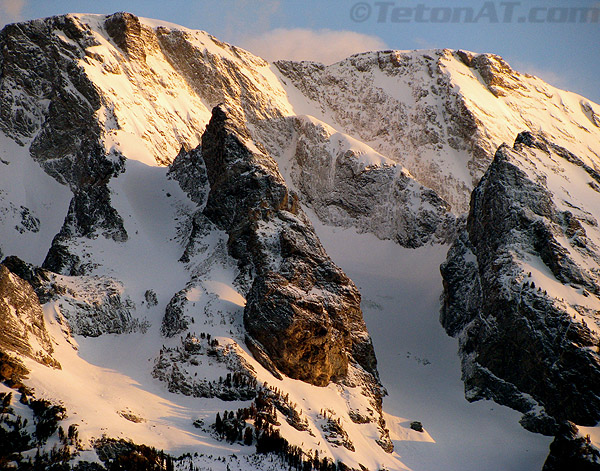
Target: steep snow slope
[
  {"x": 107, "y": 382},
  {"x": 32, "y": 206},
  {"x": 162, "y": 96},
  {"x": 418, "y": 362},
  {"x": 120, "y": 274},
  {"x": 160, "y": 83},
  {"x": 150, "y": 88}
]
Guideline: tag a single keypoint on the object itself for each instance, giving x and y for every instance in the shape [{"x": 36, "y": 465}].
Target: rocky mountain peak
[
  {"x": 430, "y": 121},
  {"x": 301, "y": 308},
  {"x": 226, "y": 155},
  {"x": 166, "y": 182},
  {"x": 497, "y": 74},
  {"x": 525, "y": 235}
]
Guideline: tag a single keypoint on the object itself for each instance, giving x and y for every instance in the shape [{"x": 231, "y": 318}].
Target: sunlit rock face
[
  {"x": 22, "y": 329},
  {"x": 301, "y": 308}
]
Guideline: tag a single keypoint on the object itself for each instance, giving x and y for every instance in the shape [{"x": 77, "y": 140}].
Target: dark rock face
[
  {"x": 301, "y": 308},
  {"x": 22, "y": 320},
  {"x": 189, "y": 171},
  {"x": 495, "y": 71},
  {"x": 174, "y": 320},
  {"x": 38, "y": 67},
  {"x": 37, "y": 277},
  {"x": 96, "y": 307},
  {"x": 125, "y": 30},
  {"x": 31, "y": 72},
  {"x": 171, "y": 368},
  {"x": 90, "y": 213},
  {"x": 569, "y": 451},
  {"x": 519, "y": 345}
]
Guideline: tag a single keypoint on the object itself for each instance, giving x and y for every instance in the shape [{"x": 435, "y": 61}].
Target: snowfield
[{"x": 418, "y": 362}]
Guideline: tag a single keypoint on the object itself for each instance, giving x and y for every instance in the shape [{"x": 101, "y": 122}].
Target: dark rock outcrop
[
  {"x": 39, "y": 67},
  {"x": 301, "y": 308},
  {"x": 37, "y": 277},
  {"x": 171, "y": 367},
  {"x": 174, "y": 320},
  {"x": 520, "y": 344},
  {"x": 570, "y": 451},
  {"x": 90, "y": 214},
  {"x": 96, "y": 307},
  {"x": 126, "y": 31},
  {"x": 494, "y": 70},
  {"x": 189, "y": 171},
  {"x": 91, "y": 306}
]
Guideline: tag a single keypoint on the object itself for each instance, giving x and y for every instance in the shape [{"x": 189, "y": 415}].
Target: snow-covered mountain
[
  {"x": 187, "y": 233},
  {"x": 441, "y": 113},
  {"x": 521, "y": 287}
]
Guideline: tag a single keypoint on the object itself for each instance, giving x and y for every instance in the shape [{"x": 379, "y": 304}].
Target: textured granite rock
[
  {"x": 301, "y": 308},
  {"x": 522, "y": 345}
]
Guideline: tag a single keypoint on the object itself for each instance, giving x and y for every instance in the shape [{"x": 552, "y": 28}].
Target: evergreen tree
[
  {"x": 219, "y": 424},
  {"x": 248, "y": 436}
]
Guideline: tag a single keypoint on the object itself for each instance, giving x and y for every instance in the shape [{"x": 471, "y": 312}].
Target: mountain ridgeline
[{"x": 160, "y": 200}]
